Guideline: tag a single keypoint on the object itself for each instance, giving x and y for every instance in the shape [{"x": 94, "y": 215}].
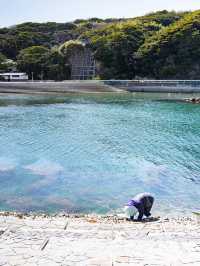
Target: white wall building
[{"x": 14, "y": 76}]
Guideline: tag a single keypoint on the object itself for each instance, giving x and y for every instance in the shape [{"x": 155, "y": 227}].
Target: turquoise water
[{"x": 91, "y": 153}]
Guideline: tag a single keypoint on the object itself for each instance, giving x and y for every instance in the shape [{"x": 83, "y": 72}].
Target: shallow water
[{"x": 91, "y": 153}]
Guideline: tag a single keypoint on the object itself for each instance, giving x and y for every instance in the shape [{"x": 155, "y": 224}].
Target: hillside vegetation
[
  {"x": 161, "y": 45},
  {"x": 173, "y": 52}
]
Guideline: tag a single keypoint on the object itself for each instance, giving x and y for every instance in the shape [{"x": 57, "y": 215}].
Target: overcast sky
[{"x": 18, "y": 11}]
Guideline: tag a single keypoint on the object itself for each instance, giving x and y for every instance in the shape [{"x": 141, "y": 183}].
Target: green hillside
[
  {"x": 173, "y": 52},
  {"x": 161, "y": 45}
]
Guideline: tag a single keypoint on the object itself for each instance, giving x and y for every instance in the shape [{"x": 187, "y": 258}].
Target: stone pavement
[{"x": 66, "y": 241}]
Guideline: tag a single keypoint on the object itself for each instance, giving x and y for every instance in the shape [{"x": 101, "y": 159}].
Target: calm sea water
[{"x": 91, "y": 153}]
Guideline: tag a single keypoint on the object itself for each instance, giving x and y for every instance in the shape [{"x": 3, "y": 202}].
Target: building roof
[{"x": 12, "y": 73}]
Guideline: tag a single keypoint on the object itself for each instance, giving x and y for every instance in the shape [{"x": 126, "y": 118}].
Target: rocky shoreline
[{"x": 193, "y": 100}]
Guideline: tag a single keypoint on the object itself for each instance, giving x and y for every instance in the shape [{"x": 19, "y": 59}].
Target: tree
[
  {"x": 71, "y": 47},
  {"x": 33, "y": 60},
  {"x": 2, "y": 58},
  {"x": 173, "y": 52},
  {"x": 113, "y": 48},
  {"x": 6, "y": 64},
  {"x": 56, "y": 66},
  {"x": 43, "y": 63}
]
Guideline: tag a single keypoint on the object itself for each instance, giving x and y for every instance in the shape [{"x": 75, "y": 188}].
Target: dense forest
[{"x": 161, "y": 45}]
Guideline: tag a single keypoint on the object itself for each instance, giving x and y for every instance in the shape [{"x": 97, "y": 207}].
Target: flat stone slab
[{"x": 66, "y": 241}]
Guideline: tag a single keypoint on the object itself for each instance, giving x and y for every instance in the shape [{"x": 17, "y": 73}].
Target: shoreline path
[{"x": 90, "y": 240}]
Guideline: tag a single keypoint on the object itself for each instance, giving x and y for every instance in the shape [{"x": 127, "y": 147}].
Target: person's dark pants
[{"x": 148, "y": 203}]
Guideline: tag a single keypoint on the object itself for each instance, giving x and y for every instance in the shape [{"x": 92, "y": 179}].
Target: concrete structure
[
  {"x": 14, "y": 76},
  {"x": 83, "y": 66},
  {"x": 56, "y": 87},
  {"x": 175, "y": 86}
]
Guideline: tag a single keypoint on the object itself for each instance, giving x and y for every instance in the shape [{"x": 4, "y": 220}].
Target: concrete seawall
[
  {"x": 166, "y": 86},
  {"x": 101, "y": 86},
  {"x": 57, "y": 87},
  {"x": 164, "y": 89}
]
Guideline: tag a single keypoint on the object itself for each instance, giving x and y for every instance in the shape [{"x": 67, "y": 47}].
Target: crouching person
[{"x": 141, "y": 203}]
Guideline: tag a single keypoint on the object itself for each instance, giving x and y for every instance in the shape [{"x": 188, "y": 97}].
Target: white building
[{"x": 14, "y": 76}]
